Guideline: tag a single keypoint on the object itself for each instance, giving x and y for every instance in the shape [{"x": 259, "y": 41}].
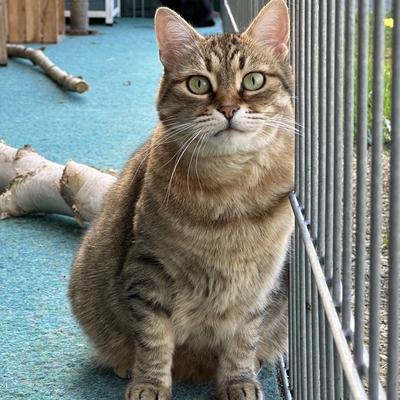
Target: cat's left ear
[
  {"x": 271, "y": 27},
  {"x": 174, "y": 36}
]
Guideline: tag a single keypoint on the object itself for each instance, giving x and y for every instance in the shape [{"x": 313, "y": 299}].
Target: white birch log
[
  {"x": 37, "y": 185},
  {"x": 72, "y": 83}
]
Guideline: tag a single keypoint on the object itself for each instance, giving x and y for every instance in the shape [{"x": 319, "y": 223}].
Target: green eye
[
  {"x": 253, "y": 81},
  {"x": 199, "y": 84}
]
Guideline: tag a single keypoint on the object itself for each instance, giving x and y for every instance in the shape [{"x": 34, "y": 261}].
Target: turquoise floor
[{"x": 43, "y": 354}]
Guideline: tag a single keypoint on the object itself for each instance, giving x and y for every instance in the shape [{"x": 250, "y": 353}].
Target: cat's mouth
[{"x": 229, "y": 132}]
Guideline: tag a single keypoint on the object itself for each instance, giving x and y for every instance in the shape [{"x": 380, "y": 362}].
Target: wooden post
[
  {"x": 3, "y": 33},
  {"x": 35, "y": 21},
  {"x": 79, "y": 15},
  {"x": 80, "y": 18},
  {"x": 16, "y": 21},
  {"x": 49, "y": 21}
]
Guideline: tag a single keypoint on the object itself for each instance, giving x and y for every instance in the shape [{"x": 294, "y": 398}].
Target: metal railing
[{"x": 344, "y": 298}]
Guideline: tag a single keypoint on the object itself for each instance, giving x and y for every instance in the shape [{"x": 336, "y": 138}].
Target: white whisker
[
  {"x": 167, "y": 138},
  {"x": 179, "y": 150},
  {"x": 191, "y": 159},
  {"x": 282, "y": 123},
  {"x": 179, "y": 156},
  {"x": 202, "y": 141}
]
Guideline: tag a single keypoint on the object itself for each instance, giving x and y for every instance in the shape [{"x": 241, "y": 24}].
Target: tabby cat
[{"x": 183, "y": 274}]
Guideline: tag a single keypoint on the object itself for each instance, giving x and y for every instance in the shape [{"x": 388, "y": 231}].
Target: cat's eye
[
  {"x": 199, "y": 84},
  {"x": 253, "y": 81}
]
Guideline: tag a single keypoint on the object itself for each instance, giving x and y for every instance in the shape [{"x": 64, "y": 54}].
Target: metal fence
[{"x": 344, "y": 282}]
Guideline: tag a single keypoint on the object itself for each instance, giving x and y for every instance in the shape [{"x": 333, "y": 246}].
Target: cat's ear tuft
[
  {"x": 271, "y": 27},
  {"x": 174, "y": 35}
]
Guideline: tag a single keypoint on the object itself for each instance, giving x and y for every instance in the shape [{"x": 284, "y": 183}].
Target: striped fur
[{"x": 183, "y": 274}]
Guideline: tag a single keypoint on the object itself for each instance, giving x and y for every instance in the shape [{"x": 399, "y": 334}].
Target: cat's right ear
[
  {"x": 271, "y": 27},
  {"x": 174, "y": 36}
]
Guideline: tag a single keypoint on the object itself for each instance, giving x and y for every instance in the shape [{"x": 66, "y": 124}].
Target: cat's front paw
[
  {"x": 241, "y": 391},
  {"x": 147, "y": 392}
]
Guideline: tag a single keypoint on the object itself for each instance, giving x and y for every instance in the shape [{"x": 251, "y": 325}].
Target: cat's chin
[
  {"x": 231, "y": 141},
  {"x": 228, "y": 133}
]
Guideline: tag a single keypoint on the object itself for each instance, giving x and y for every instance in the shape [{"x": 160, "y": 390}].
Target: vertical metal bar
[
  {"x": 348, "y": 166},
  {"x": 322, "y": 347},
  {"x": 348, "y": 177},
  {"x": 322, "y": 182},
  {"x": 315, "y": 335},
  {"x": 338, "y": 181},
  {"x": 330, "y": 381},
  {"x": 330, "y": 114},
  {"x": 297, "y": 392},
  {"x": 394, "y": 219},
  {"x": 314, "y": 193},
  {"x": 338, "y": 155},
  {"x": 307, "y": 190},
  {"x": 293, "y": 265},
  {"x": 293, "y": 44},
  {"x": 300, "y": 96},
  {"x": 307, "y": 109},
  {"x": 296, "y": 362},
  {"x": 314, "y": 108},
  {"x": 322, "y": 128},
  {"x": 293, "y": 327},
  {"x": 298, "y": 190},
  {"x": 302, "y": 324},
  {"x": 329, "y": 218},
  {"x": 302, "y": 196},
  {"x": 376, "y": 198},
  {"x": 363, "y": 27}
]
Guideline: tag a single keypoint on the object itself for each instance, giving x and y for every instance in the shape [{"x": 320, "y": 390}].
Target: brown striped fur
[{"x": 184, "y": 270}]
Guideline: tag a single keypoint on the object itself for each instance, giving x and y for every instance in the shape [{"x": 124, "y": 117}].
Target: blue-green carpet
[{"x": 43, "y": 354}]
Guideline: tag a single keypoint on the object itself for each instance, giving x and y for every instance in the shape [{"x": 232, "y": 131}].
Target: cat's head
[{"x": 225, "y": 93}]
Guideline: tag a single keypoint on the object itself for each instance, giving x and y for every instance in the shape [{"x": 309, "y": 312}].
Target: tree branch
[
  {"x": 71, "y": 82},
  {"x": 36, "y": 185}
]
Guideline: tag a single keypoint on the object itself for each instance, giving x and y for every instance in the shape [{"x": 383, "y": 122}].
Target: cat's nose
[{"x": 228, "y": 111}]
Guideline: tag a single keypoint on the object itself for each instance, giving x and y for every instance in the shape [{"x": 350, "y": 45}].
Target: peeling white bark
[{"x": 32, "y": 184}]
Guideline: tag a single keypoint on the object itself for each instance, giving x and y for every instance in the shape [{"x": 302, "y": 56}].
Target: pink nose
[{"x": 228, "y": 111}]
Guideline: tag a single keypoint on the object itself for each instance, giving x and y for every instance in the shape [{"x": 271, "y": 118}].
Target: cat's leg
[
  {"x": 151, "y": 374},
  {"x": 153, "y": 335},
  {"x": 237, "y": 375}
]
